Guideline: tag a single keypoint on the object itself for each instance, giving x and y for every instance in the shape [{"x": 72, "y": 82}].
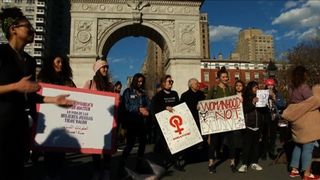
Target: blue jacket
[{"x": 132, "y": 101}]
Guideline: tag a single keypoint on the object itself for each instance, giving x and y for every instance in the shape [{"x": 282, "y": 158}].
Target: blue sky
[{"x": 290, "y": 22}]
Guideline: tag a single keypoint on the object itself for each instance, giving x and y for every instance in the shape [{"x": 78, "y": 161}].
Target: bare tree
[{"x": 307, "y": 54}]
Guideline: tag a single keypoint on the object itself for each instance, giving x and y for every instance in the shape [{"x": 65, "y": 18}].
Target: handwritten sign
[
  {"x": 179, "y": 128},
  {"x": 88, "y": 126},
  {"x": 221, "y": 115},
  {"x": 263, "y": 96}
]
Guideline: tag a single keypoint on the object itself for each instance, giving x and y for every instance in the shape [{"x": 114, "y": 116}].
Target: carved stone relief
[
  {"x": 187, "y": 42},
  {"x": 168, "y": 26},
  {"x": 104, "y": 24},
  {"x": 135, "y": 6},
  {"x": 83, "y": 36}
]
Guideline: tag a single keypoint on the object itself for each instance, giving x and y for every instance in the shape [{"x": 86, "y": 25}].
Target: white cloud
[
  {"x": 292, "y": 17},
  {"x": 292, "y": 34},
  {"x": 290, "y": 4},
  {"x": 221, "y": 32},
  {"x": 271, "y": 31},
  {"x": 116, "y": 60},
  {"x": 303, "y": 19},
  {"x": 310, "y": 34},
  {"x": 131, "y": 67},
  {"x": 305, "y": 16}
]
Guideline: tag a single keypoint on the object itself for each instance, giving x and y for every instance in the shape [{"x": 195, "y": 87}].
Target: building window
[
  {"x": 30, "y": 9},
  {"x": 205, "y": 65},
  {"x": 18, "y": 1},
  {"x": 206, "y": 76},
  {"x": 256, "y": 76},
  {"x": 247, "y": 76},
  {"x": 237, "y": 76},
  {"x": 217, "y": 66},
  {"x": 6, "y": 1},
  {"x": 30, "y": 1}
]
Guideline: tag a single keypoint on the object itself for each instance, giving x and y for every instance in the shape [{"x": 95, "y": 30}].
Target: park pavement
[{"x": 79, "y": 167}]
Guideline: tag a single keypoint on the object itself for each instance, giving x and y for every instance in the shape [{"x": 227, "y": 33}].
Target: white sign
[
  {"x": 179, "y": 128},
  {"x": 88, "y": 126},
  {"x": 221, "y": 115},
  {"x": 263, "y": 96}
]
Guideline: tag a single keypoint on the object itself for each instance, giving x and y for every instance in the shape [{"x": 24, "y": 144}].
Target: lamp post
[{"x": 271, "y": 70}]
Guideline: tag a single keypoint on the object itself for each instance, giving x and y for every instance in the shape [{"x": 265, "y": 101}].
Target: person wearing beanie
[{"x": 100, "y": 82}]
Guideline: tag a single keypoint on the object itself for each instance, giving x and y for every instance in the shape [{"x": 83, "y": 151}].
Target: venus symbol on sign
[{"x": 176, "y": 122}]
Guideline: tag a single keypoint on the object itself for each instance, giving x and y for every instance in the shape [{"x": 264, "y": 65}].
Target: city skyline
[{"x": 289, "y": 22}]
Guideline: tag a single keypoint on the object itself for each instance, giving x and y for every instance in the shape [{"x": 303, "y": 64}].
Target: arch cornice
[
  {"x": 108, "y": 31},
  {"x": 156, "y": 2}
]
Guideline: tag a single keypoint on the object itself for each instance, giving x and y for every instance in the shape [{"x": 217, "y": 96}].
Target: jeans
[{"x": 305, "y": 152}]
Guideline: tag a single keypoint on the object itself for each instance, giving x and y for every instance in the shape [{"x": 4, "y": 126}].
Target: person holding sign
[
  {"x": 252, "y": 133},
  {"x": 100, "y": 82},
  {"x": 55, "y": 70},
  {"x": 17, "y": 92},
  {"x": 166, "y": 99},
  {"x": 136, "y": 104},
  {"x": 218, "y": 140},
  {"x": 271, "y": 115}
]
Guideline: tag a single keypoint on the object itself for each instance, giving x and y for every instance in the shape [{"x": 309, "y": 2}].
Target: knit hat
[
  {"x": 270, "y": 82},
  {"x": 98, "y": 64}
]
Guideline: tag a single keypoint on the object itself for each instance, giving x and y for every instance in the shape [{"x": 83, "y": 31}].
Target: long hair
[
  {"x": 9, "y": 17},
  {"x": 298, "y": 76},
  {"x": 248, "y": 91},
  {"x": 135, "y": 81},
  {"x": 164, "y": 79},
  {"x": 243, "y": 86},
  {"x": 48, "y": 73},
  {"x": 103, "y": 82}
]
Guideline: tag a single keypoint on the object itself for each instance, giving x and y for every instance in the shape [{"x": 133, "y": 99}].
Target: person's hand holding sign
[
  {"x": 169, "y": 108},
  {"x": 60, "y": 100},
  {"x": 255, "y": 100},
  {"x": 144, "y": 111}
]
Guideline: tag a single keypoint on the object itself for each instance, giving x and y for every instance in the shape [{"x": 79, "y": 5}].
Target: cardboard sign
[
  {"x": 221, "y": 115},
  {"x": 179, "y": 128},
  {"x": 263, "y": 96},
  {"x": 88, "y": 126}
]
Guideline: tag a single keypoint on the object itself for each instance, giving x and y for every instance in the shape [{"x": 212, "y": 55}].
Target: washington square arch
[{"x": 96, "y": 25}]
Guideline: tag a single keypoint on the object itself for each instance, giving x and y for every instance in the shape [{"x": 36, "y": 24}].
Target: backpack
[{"x": 280, "y": 102}]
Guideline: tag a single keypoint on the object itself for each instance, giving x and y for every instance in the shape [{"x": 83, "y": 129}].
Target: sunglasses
[
  {"x": 29, "y": 26},
  {"x": 171, "y": 81}
]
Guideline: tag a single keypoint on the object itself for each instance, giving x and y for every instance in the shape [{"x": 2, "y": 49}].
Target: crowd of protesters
[{"x": 256, "y": 142}]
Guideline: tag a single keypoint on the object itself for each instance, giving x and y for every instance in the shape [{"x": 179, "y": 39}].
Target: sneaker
[
  {"x": 256, "y": 167},
  {"x": 311, "y": 176},
  {"x": 212, "y": 169},
  {"x": 294, "y": 173},
  {"x": 243, "y": 168}
]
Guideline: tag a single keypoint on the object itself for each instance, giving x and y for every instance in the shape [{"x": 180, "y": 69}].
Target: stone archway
[{"x": 96, "y": 25}]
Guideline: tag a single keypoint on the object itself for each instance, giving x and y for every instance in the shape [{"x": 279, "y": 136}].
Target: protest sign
[
  {"x": 179, "y": 128},
  {"x": 263, "y": 96},
  {"x": 221, "y": 115},
  {"x": 88, "y": 126}
]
